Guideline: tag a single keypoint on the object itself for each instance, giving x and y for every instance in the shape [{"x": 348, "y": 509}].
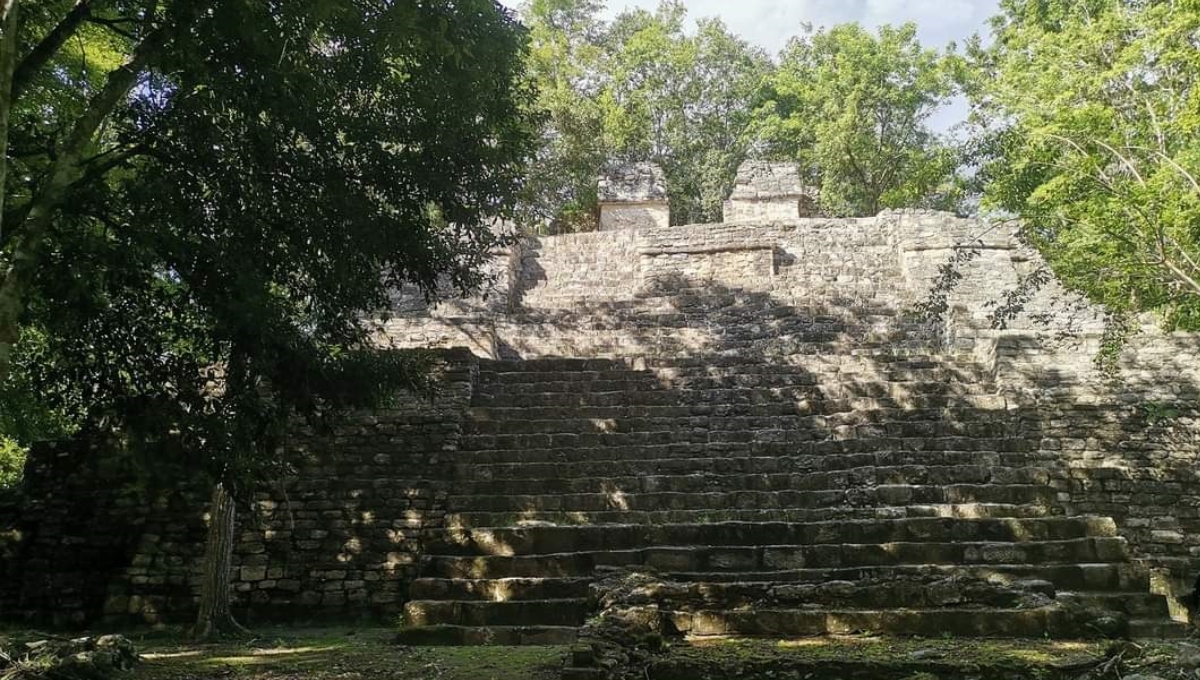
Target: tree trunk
[
  {"x": 215, "y": 619},
  {"x": 43, "y": 207},
  {"x": 45, "y": 50},
  {"x": 8, "y": 65}
]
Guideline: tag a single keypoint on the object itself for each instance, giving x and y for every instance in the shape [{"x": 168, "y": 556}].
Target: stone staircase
[{"x": 877, "y": 491}]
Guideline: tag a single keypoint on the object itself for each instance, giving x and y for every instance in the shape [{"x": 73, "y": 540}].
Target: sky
[{"x": 769, "y": 23}]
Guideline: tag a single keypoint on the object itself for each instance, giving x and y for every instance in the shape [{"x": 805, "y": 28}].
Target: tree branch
[
  {"x": 1182, "y": 276},
  {"x": 49, "y": 46},
  {"x": 53, "y": 193},
  {"x": 95, "y": 168}
]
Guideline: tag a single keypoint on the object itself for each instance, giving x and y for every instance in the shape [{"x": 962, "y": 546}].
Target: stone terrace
[{"x": 752, "y": 413}]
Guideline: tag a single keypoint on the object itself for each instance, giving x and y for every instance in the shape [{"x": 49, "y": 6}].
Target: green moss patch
[
  {"x": 342, "y": 654},
  {"x": 877, "y": 658}
]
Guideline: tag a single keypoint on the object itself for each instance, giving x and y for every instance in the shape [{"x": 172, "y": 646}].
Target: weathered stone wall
[
  {"x": 633, "y": 196},
  {"x": 339, "y": 539},
  {"x": 765, "y": 191},
  {"x": 9, "y": 540},
  {"x": 770, "y": 209},
  {"x": 597, "y": 266},
  {"x": 85, "y": 516},
  {"x": 618, "y": 216},
  {"x": 821, "y": 296},
  {"x": 728, "y": 256},
  {"x": 847, "y": 286}
]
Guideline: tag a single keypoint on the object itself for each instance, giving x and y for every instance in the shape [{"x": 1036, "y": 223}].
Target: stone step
[
  {"x": 567, "y": 612},
  {"x": 504, "y": 412},
  {"x": 636, "y": 397},
  {"x": 721, "y": 458},
  {"x": 850, "y": 361},
  {"x": 529, "y": 373},
  {"x": 1160, "y": 629},
  {"x": 1123, "y": 586},
  {"x": 817, "y": 362},
  {"x": 492, "y": 448},
  {"x": 500, "y": 636},
  {"x": 699, "y": 482},
  {"x": 807, "y": 400},
  {"x": 499, "y": 590},
  {"x": 550, "y": 364},
  {"x": 561, "y": 518},
  {"x": 560, "y": 387},
  {"x": 739, "y": 610},
  {"x": 1084, "y": 576},
  {"x": 802, "y": 471},
  {"x": 616, "y": 431},
  {"x": 830, "y": 373},
  {"x": 937, "y": 384},
  {"x": 1050, "y": 621},
  {"x": 1136, "y": 605},
  {"x": 895, "y": 592},
  {"x": 625, "y": 426},
  {"x": 589, "y": 412},
  {"x": 775, "y": 557},
  {"x": 909, "y": 383},
  {"x": 598, "y": 439},
  {"x": 616, "y": 499},
  {"x": 899, "y": 356},
  {"x": 563, "y": 539}
]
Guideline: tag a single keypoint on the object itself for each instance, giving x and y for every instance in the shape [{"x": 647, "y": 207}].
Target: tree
[
  {"x": 682, "y": 100},
  {"x": 564, "y": 61},
  {"x": 238, "y": 188},
  {"x": 1092, "y": 111},
  {"x": 642, "y": 88},
  {"x": 31, "y": 410},
  {"x": 853, "y": 109}
]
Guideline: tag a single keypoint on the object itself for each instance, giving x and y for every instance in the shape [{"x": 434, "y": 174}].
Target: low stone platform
[
  {"x": 780, "y": 423},
  {"x": 770, "y": 503}
]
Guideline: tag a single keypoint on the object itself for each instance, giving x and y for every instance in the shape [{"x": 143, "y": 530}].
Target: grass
[
  {"x": 349, "y": 653},
  {"x": 344, "y": 654},
  {"x": 879, "y": 648},
  {"x": 881, "y": 658}
]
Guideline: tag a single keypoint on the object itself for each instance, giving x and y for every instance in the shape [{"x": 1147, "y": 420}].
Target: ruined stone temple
[{"x": 752, "y": 412}]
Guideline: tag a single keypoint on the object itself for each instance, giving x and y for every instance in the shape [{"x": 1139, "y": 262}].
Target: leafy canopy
[
  {"x": 642, "y": 88},
  {"x": 1091, "y": 113},
  {"x": 269, "y": 175},
  {"x": 853, "y": 109}
]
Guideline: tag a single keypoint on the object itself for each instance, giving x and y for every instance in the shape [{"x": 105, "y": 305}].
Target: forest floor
[
  {"x": 351, "y": 653},
  {"x": 338, "y": 654},
  {"x": 354, "y": 654}
]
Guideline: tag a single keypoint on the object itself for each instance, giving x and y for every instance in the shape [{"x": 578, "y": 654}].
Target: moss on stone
[{"x": 875, "y": 657}]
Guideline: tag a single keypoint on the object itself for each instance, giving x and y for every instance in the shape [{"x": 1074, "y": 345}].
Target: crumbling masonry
[{"x": 750, "y": 411}]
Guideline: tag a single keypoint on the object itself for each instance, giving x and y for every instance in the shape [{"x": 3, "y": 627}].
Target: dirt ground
[
  {"x": 350, "y": 653},
  {"x": 336, "y": 653}
]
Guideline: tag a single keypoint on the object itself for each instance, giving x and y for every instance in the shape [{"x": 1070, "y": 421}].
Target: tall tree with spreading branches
[
  {"x": 206, "y": 201},
  {"x": 644, "y": 87},
  {"x": 1091, "y": 116},
  {"x": 852, "y": 108}
]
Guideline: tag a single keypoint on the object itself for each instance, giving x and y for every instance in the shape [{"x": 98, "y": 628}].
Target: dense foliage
[
  {"x": 644, "y": 87},
  {"x": 231, "y": 184},
  {"x": 853, "y": 108},
  {"x": 1088, "y": 118},
  {"x": 850, "y": 106},
  {"x": 205, "y": 203}
]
